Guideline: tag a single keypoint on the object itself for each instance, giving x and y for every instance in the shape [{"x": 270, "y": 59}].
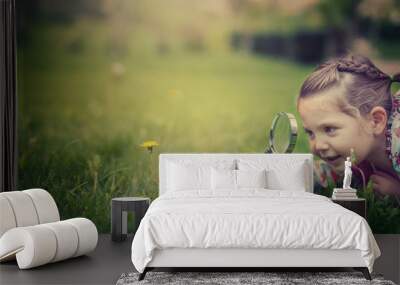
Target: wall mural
[{"x": 105, "y": 86}]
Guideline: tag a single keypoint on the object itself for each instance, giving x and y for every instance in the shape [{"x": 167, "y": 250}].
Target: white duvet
[{"x": 250, "y": 219}]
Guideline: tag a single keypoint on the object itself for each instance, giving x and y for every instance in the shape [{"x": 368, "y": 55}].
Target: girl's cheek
[
  {"x": 312, "y": 147},
  {"x": 310, "y": 144},
  {"x": 338, "y": 142}
]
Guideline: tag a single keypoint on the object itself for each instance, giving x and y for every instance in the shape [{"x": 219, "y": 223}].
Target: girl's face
[{"x": 331, "y": 132}]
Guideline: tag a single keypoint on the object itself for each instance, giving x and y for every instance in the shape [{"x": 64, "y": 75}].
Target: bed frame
[{"x": 240, "y": 259}]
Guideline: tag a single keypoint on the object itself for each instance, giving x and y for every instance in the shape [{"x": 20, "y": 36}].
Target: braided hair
[{"x": 366, "y": 88}]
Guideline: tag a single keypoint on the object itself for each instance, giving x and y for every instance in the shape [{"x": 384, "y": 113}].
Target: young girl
[{"x": 347, "y": 104}]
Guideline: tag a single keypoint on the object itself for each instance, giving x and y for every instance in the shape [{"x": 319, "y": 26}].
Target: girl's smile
[{"x": 332, "y": 159}]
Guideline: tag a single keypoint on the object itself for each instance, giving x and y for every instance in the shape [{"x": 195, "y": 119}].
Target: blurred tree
[
  {"x": 381, "y": 10},
  {"x": 339, "y": 13},
  {"x": 380, "y": 19}
]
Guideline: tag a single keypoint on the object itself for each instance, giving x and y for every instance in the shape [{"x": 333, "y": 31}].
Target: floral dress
[{"x": 393, "y": 134}]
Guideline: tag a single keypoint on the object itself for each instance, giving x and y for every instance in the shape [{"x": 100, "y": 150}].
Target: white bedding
[{"x": 251, "y": 218}]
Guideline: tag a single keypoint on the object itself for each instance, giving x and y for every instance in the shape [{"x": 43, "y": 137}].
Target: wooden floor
[
  {"x": 110, "y": 259},
  {"x": 103, "y": 266}
]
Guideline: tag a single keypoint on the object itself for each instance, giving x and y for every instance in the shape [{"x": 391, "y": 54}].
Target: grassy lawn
[{"x": 81, "y": 124}]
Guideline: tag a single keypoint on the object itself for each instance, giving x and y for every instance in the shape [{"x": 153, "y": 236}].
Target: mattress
[{"x": 251, "y": 219}]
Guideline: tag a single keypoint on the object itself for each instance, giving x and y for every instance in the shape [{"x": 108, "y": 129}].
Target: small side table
[
  {"x": 119, "y": 215},
  {"x": 358, "y": 206}
]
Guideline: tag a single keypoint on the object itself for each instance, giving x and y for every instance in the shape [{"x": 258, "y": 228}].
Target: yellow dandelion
[
  {"x": 175, "y": 92},
  {"x": 117, "y": 69},
  {"x": 149, "y": 145}
]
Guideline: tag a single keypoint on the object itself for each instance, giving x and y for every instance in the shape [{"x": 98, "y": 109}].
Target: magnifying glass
[{"x": 282, "y": 134}]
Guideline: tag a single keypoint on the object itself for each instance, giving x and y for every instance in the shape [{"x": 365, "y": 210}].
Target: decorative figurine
[
  {"x": 345, "y": 193},
  {"x": 347, "y": 174}
]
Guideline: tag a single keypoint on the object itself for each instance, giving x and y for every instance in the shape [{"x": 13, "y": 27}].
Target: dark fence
[{"x": 308, "y": 47}]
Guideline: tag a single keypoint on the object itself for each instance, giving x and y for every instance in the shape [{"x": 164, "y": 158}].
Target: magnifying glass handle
[{"x": 268, "y": 150}]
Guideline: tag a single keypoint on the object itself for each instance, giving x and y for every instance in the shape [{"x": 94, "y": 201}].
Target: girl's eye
[
  {"x": 330, "y": 130},
  {"x": 310, "y": 134}
]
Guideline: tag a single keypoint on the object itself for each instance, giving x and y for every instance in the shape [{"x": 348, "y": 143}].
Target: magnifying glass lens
[{"x": 282, "y": 134}]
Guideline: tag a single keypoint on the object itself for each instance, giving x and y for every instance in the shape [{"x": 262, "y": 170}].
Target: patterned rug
[{"x": 230, "y": 278}]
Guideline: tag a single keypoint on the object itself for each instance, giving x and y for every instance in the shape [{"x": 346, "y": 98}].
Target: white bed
[{"x": 279, "y": 225}]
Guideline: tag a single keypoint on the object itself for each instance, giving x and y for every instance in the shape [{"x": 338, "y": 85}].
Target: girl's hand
[{"x": 385, "y": 184}]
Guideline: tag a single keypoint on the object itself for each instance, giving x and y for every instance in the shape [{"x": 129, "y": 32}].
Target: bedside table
[
  {"x": 119, "y": 215},
  {"x": 358, "y": 206}
]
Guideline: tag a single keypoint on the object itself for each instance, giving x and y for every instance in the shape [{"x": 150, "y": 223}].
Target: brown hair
[{"x": 368, "y": 87}]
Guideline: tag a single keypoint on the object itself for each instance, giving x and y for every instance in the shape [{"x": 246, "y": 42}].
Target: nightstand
[
  {"x": 119, "y": 214},
  {"x": 358, "y": 205}
]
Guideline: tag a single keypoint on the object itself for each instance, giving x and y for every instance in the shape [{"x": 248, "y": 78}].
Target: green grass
[
  {"x": 80, "y": 125},
  {"x": 383, "y": 214}
]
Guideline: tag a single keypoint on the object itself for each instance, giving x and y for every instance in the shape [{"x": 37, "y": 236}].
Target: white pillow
[
  {"x": 251, "y": 178},
  {"x": 223, "y": 179},
  {"x": 226, "y": 179},
  {"x": 282, "y": 174},
  {"x": 178, "y": 171},
  {"x": 185, "y": 177},
  {"x": 293, "y": 179}
]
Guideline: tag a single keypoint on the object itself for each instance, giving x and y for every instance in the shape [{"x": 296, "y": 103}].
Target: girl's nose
[{"x": 320, "y": 145}]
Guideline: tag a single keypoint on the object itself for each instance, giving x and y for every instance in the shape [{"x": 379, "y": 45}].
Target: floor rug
[{"x": 230, "y": 278}]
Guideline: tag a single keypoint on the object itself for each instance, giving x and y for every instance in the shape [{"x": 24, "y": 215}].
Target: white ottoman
[{"x": 31, "y": 230}]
